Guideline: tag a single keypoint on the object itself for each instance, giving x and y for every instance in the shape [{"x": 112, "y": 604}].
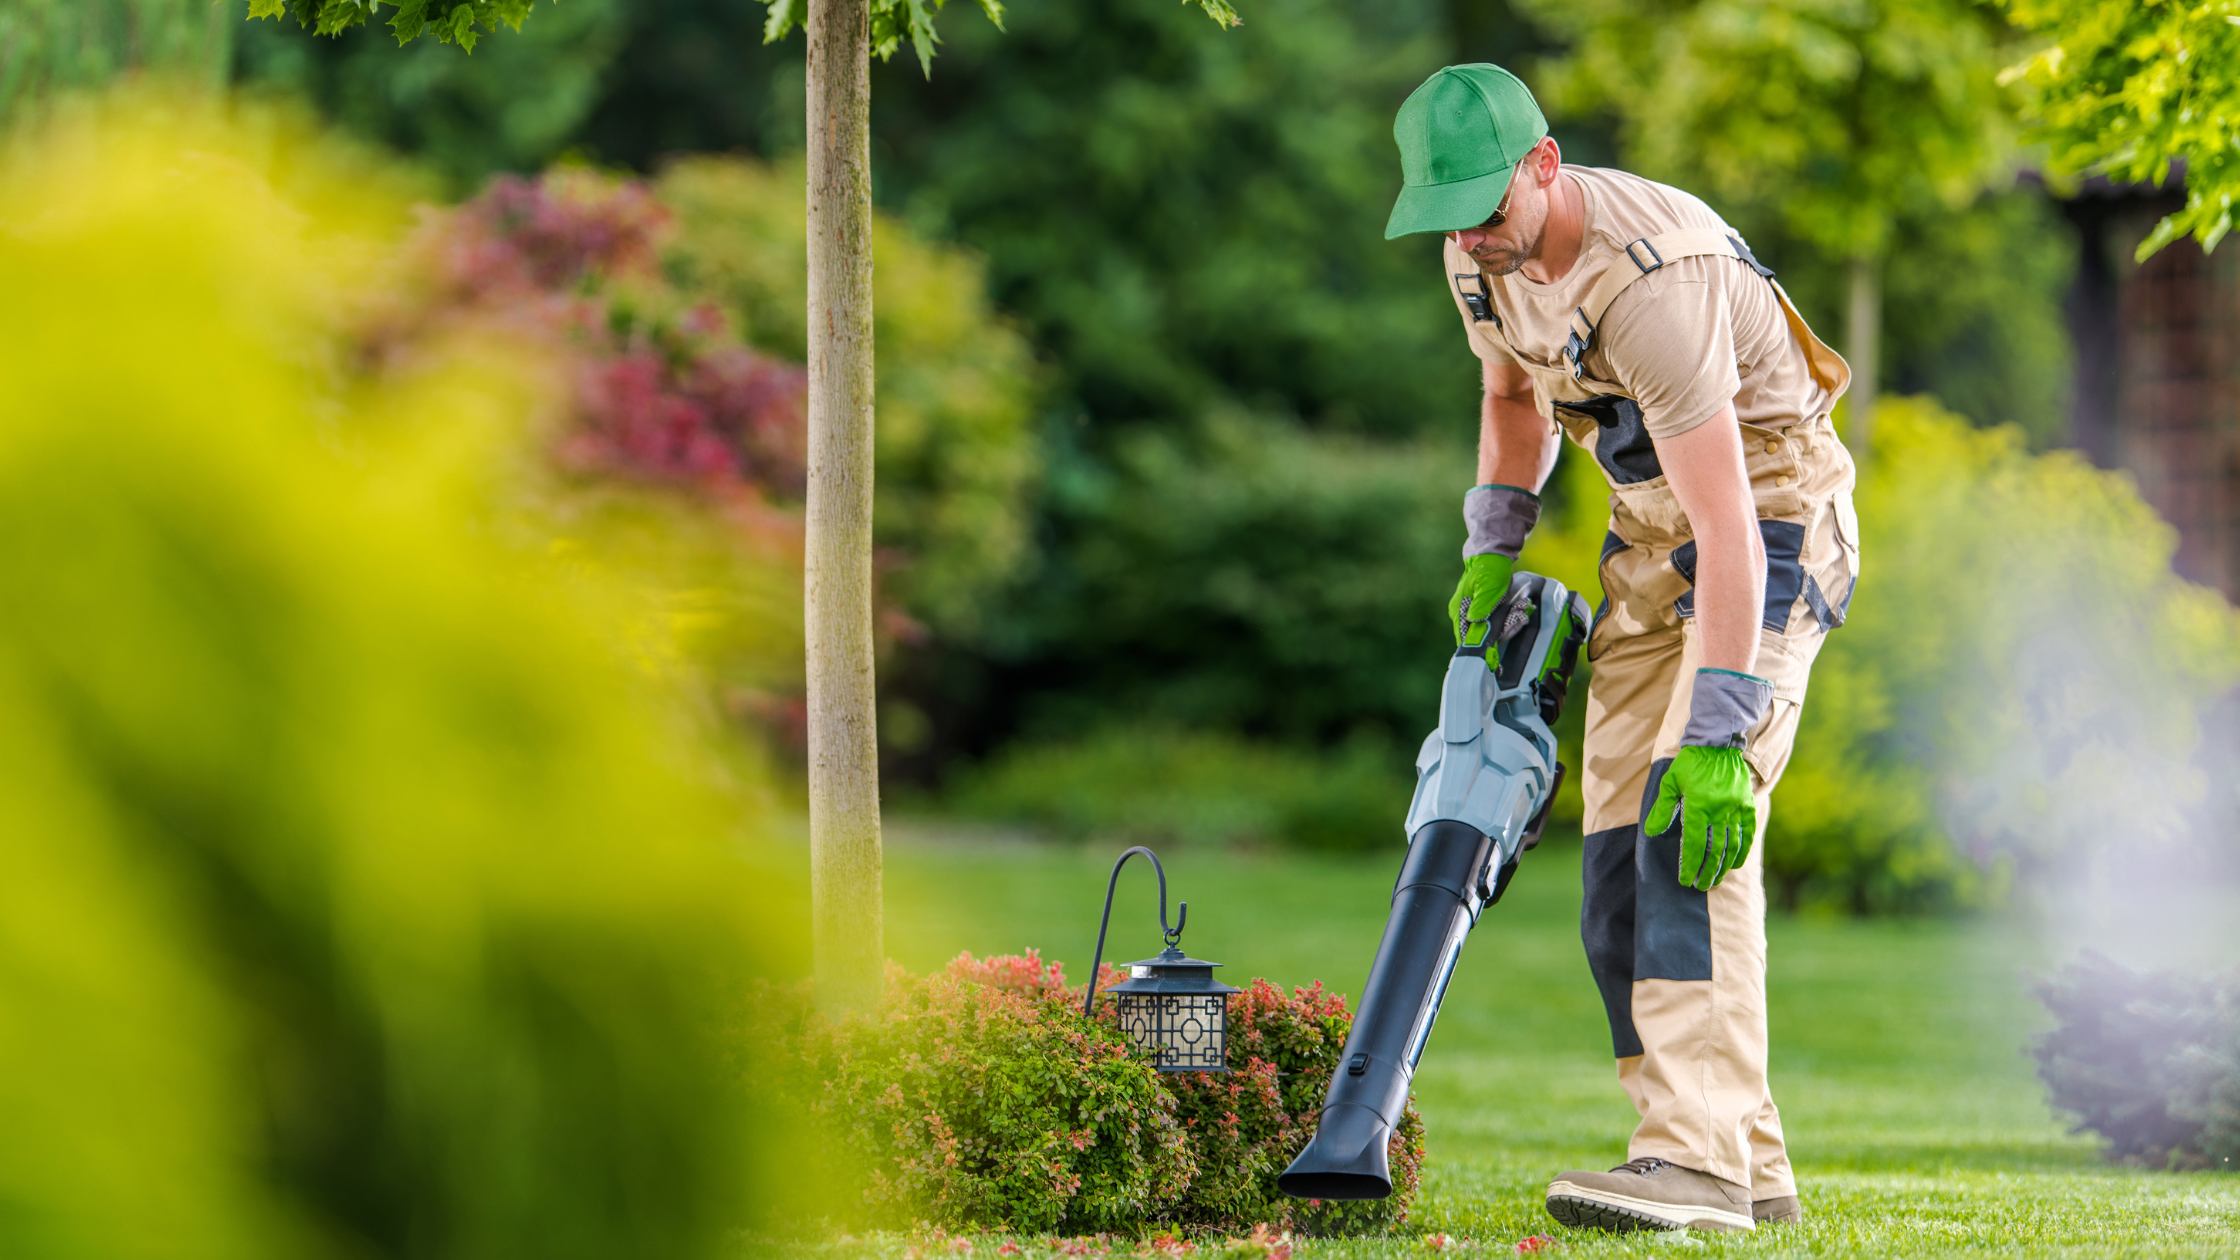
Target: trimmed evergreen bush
[{"x": 2150, "y": 1061}]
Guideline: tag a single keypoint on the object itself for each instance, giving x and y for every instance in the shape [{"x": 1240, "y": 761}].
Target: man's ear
[{"x": 1547, "y": 160}]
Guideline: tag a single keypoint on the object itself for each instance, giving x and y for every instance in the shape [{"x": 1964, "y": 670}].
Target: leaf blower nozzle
[{"x": 1484, "y": 781}]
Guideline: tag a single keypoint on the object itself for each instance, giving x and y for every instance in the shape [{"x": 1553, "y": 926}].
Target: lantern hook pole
[{"x": 1173, "y": 934}]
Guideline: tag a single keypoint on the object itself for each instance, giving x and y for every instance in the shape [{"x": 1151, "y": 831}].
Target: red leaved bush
[
  {"x": 982, "y": 1098},
  {"x": 1243, "y": 1126},
  {"x": 965, "y": 1104},
  {"x": 663, "y": 391}
]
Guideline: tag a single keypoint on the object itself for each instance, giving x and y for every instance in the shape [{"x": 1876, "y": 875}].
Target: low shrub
[
  {"x": 969, "y": 1105},
  {"x": 981, "y": 1097},
  {"x": 2149, "y": 1061},
  {"x": 1247, "y": 1125}
]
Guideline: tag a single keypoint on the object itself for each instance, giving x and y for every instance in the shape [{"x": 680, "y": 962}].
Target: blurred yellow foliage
[{"x": 361, "y": 896}]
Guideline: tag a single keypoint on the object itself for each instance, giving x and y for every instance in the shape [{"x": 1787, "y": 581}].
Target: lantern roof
[{"x": 1171, "y": 972}]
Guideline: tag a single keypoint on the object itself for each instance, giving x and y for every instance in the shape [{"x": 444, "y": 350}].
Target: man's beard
[{"x": 1502, "y": 262}]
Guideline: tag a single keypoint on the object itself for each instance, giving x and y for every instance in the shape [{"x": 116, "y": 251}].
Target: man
[{"x": 1630, "y": 316}]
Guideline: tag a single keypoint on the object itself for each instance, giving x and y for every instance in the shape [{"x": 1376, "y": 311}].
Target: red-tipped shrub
[{"x": 982, "y": 1097}]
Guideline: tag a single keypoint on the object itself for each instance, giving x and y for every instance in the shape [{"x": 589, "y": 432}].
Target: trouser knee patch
[
  {"x": 1606, "y": 927},
  {"x": 1671, "y": 921}
]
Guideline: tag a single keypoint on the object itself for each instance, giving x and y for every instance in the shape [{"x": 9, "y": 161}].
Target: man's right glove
[
  {"x": 1499, "y": 518},
  {"x": 1709, "y": 783}
]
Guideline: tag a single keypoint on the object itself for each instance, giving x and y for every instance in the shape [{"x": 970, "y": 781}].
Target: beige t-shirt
[{"x": 1683, "y": 340}]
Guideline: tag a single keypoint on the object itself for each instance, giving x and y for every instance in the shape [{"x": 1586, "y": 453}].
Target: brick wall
[{"x": 2158, "y": 390}]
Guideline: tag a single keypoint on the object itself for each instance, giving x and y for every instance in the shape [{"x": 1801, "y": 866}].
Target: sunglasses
[{"x": 1501, "y": 212}]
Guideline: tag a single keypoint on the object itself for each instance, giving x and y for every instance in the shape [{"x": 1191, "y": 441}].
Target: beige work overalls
[{"x": 1682, "y": 973}]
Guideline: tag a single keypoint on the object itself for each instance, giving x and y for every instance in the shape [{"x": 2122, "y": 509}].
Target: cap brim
[{"x": 1465, "y": 203}]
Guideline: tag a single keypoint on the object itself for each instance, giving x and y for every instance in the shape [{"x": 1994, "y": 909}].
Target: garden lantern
[{"x": 1170, "y": 1006}]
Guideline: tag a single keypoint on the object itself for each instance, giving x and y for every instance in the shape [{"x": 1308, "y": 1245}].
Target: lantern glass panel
[{"x": 1187, "y": 1032}]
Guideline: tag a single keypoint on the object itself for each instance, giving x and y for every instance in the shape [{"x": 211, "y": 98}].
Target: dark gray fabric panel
[
  {"x": 1817, "y": 600},
  {"x": 1785, "y": 578},
  {"x": 1624, "y": 448},
  {"x": 1784, "y": 570},
  {"x": 1683, "y": 558},
  {"x": 1606, "y": 926},
  {"x": 1672, "y": 922}
]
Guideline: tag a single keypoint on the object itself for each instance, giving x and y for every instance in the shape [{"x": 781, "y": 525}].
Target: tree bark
[
  {"x": 844, "y": 849},
  {"x": 1863, "y": 338}
]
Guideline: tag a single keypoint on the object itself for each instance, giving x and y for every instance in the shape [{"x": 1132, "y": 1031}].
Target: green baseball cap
[{"x": 1460, "y": 135}]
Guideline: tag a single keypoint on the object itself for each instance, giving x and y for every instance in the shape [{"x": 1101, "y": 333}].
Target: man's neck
[{"x": 1565, "y": 235}]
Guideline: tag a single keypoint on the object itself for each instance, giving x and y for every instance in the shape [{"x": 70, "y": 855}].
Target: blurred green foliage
[
  {"x": 2138, "y": 90},
  {"x": 1972, "y": 302},
  {"x": 1833, "y": 131},
  {"x": 2019, "y": 691},
  {"x": 1156, "y": 784},
  {"x": 52, "y": 45},
  {"x": 1838, "y": 115},
  {"x": 363, "y": 897},
  {"x": 957, "y": 460},
  {"x": 1244, "y": 575},
  {"x": 514, "y": 105},
  {"x": 1187, "y": 222}
]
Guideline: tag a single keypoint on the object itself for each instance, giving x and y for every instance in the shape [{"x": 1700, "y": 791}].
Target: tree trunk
[
  {"x": 1863, "y": 338},
  {"x": 844, "y": 856}
]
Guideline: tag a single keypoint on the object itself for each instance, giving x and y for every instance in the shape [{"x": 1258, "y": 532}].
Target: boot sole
[{"x": 1581, "y": 1208}]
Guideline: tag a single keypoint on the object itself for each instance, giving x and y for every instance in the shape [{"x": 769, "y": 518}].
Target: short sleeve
[
  {"x": 1460, "y": 270},
  {"x": 1669, "y": 340}
]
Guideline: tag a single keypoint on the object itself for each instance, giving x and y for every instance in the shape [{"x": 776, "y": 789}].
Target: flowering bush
[
  {"x": 981, "y": 1097},
  {"x": 671, "y": 315},
  {"x": 661, "y": 388}
]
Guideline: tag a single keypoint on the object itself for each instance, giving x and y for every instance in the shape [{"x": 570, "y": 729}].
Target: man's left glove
[
  {"x": 1499, "y": 518},
  {"x": 1709, "y": 783}
]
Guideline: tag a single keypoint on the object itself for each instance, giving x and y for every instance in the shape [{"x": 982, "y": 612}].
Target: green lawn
[{"x": 1898, "y": 1052}]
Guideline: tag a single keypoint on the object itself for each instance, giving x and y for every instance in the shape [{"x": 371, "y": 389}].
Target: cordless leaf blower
[{"x": 1484, "y": 782}]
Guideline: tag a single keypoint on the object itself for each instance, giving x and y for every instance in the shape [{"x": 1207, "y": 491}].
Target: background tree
[
  {"x": 2138, "y": 90},
  {"x": 1837, "y": 116}
]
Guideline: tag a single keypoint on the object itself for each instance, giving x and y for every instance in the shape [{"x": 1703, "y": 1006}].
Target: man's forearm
[
  {"x": 1514, "y": 445},
  {"x": 1730, "y": 591},
  {"x": 1708, "y": 477}
]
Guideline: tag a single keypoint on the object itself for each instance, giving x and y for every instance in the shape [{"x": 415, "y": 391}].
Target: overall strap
[{"x": 1647, "y": 255}]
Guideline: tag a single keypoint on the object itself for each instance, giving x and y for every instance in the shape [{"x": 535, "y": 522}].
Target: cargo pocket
[
  {"x": 1786, "y": 662},
  {"x": 1776, "y": 473},
  {"x": 1835, "y": 572}
]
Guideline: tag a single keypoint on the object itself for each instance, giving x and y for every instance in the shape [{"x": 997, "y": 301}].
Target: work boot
[
  {"x": 1648, "y": 1193},
  {"x": 1782, "y": 1211}
]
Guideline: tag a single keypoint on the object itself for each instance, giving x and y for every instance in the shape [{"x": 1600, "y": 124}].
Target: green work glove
[
  {"x": 1498, "y": 518},
  {"x": 1708, "y": 783},
  {"x": 1485, "y": 583},
  {"x": 1711, "y": 790}
]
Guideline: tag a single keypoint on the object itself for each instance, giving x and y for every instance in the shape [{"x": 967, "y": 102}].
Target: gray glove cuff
[
  {"x": 1499, "y": 517},
  {"x": 1726, "y": 706}
]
